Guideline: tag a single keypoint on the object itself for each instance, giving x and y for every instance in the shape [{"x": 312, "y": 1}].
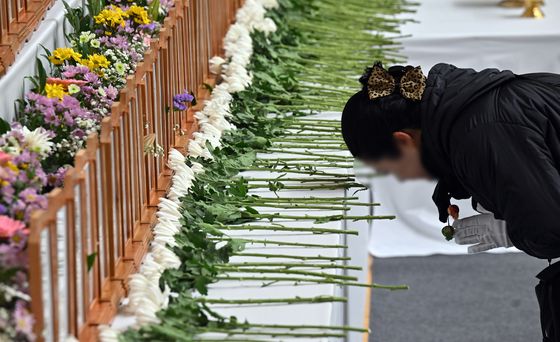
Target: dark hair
[{"x": 368, "y": 125}]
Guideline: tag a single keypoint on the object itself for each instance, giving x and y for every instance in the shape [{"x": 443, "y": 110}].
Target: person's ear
[{"x": 403, "y": 139}]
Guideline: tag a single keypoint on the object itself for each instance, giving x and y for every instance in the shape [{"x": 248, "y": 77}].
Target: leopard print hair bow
[{"x": 381, "y": 83}]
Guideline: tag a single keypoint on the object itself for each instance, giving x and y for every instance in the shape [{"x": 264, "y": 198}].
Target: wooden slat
[{"x": 18, "y": 19}]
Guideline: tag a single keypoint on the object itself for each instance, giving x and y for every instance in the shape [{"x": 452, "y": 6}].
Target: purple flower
[
  {"x": 111, "y": 92},
  {"x": 56, "y": 179},
  {"x": 180, "y": 101},
  {"x": 23, "y": 320}
]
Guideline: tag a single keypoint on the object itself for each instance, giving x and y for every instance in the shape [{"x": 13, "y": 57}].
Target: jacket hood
[{"x": 449, "y": 90}]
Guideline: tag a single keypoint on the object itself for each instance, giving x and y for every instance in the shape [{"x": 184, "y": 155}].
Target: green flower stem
[
  {"x": 319, "y": 281},
  {"x": 296, "y": 300},
  {"x": 317, "y": 217},
  {"x": 285, "y": 271},
  {"x": 267, "y": 333},
  {"x": 280, "y": 243},
  {"x": 305, "y": 199},
  {"x": 313, "y": 119},
  {"x": 311, "y": 136},
  {"x": 301, "y": 205},
  {"x": 307, "y": 153},
  {"x": 317, "y": 141},
  {"x": 314, "y": 230},
  {"x": 315, "y": 124},
  {"x": 189, "y": 339},
  {"x": 314, "y": 165},
  {"x": 314, "y": 172},
  {"x": 341, "y": 147},
  {"x": 309, "y": 187},
  {"x": 315, "y": 145},
  {"x": 301, "y": 180},
  {"x": 306, "y": 125},
  {"x": 308, "y": 159},
  {"x": 293, "y": 206},
  {"x": 293, "y": 265},
  {"x": 291, "y": 256},
  {"x": 310, "y": 120},
  {"x": 314, "y": 129},
  {"x": 301, "y": 327}
]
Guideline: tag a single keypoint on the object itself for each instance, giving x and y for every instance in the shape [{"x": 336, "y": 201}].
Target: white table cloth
[
  {"x": 467, "y": 33},
  {"x": 479, "y": 34}
]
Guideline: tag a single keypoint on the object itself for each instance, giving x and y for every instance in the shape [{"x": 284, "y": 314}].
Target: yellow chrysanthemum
[
  {"x": 138, "y": 14},
  {"x": 55, "y": 90},
  {"x": 112, "y": 16},
  {"x": 96, "y": 62},
  {"x": 60, "y": 55},
  {"x": 12, "y": 166}
]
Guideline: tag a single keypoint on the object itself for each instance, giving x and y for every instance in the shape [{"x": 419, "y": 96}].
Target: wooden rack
[
  {"x": 107, "y": 206},
  {"x": 18, "y": 19}
]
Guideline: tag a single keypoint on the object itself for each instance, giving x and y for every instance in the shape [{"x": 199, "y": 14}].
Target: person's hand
[{"x": 483, "y": 232}]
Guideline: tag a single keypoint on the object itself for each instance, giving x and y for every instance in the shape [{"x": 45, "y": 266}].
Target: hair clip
[{"x": 381, "y": 83}]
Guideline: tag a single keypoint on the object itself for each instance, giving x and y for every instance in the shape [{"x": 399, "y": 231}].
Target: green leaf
[
  {"x": 91, "y": 260},
  {"x": 41, "y": 77},
  {"x": 208, "y": 87},
  {"x": 153, "y": 10},
  {"x": 4, "y": 126}
]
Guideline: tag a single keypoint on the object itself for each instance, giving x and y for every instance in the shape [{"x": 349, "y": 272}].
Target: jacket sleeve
[
  {"x": 509, "y": 169},
  {"x": 545, "y": 77}
]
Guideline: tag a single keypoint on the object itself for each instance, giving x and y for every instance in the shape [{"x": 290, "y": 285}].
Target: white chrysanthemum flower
[
  {"x": 250, "y": 14},
  {"x": 208, "y": 129},
  {"x": 180, "y": 187},
  {"x": 108, "y": 334},
  {"x": 86, "y": 36},
  {"x": 235, "y": 85},
  {"x": 175, "y": 159},
  {"x": 267, "y": 26},
  {"x": 165, "y": 240},
  {"x": 37, "y": 140},
  {"x": 152, "y": 270},
  {"x": 165, "y": 257},
  {"x": 163, "y": 229},
  {"x": 216, "y": 64},
  {"x": 269, "y": 4},
  {"x": 235, "y": 31},
  {"x": 197, "y": 167},
  {"x": 146, "y": 313},
  {"x": 198, "y": 150},
  {"x": 73, "y": 89}
]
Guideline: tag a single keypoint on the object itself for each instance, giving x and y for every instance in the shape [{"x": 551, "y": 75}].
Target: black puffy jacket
[{"x": 495, "y": 136}]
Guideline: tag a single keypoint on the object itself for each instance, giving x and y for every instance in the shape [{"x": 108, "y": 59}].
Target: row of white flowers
[{"x": 145, "y": 297}]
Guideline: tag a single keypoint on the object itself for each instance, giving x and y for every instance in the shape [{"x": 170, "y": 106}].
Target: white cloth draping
[{"x": 49, "y": 34}]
